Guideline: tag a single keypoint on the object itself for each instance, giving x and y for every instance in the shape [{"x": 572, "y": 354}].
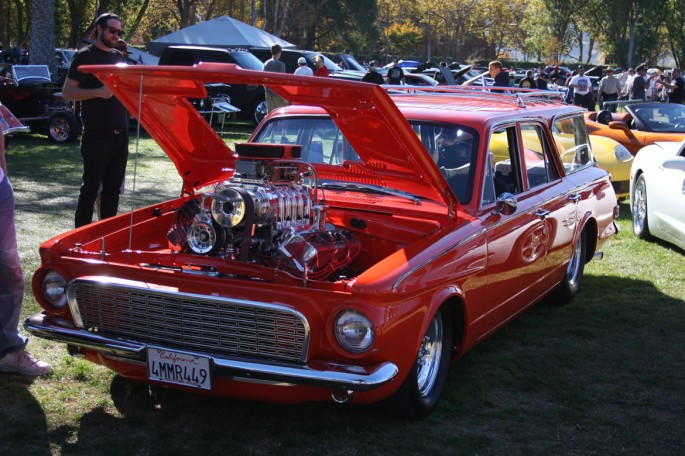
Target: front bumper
[{"x": 316, "y": 373}]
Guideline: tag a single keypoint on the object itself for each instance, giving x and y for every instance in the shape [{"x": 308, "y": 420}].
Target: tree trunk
[
  {"x": 139, "y": 17},
  {"x": 631, "y": 42},
  {"x": 42, "y": 50}
]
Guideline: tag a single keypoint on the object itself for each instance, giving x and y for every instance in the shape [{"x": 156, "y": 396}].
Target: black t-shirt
[
  {"x": 395, "y": 75},
  {"x": 678, "y": 94},
  {"x": 98, "y": 114},
  {"x": 373, "y": 76},
  {"x": 639, "y": 88}
]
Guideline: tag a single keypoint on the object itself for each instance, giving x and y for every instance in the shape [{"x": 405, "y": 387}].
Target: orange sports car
[{"x": 640, "y": 125}]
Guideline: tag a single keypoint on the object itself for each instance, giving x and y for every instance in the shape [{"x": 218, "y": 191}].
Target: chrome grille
[{"x": 198, "y": 323}]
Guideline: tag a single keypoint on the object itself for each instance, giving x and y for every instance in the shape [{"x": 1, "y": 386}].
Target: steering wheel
[{"x": 679, "y": 126}]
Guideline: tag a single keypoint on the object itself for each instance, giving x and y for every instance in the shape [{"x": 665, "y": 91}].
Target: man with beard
[{"x": 104, "y": 141}]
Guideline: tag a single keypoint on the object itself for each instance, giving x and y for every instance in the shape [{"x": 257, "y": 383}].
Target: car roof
[{"x": 466, "y": 105}]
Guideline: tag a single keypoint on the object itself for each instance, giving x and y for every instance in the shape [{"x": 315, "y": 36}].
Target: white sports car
[{"x": 657, "y": 192}]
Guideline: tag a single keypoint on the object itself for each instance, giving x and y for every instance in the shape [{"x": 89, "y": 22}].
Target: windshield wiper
[{"x": 370, "y": 189}]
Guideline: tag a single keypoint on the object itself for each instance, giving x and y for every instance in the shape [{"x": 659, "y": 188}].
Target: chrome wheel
[
  {"x": 570, "y": 284},
  {"x": 639, "y": 209},
  {"x": 428, "y": 359},
  {"x": 62, "y": 128},
  {"x": 260, "y": 111},
  {"x": 420, "y": 391},
  {"x": 573, "y": 271}
]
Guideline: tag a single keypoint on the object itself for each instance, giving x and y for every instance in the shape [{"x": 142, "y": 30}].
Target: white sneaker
[{"x": 21, "y": 362}]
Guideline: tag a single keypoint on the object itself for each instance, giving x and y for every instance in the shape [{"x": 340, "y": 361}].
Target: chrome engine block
[{"x": 268, "y": 214}]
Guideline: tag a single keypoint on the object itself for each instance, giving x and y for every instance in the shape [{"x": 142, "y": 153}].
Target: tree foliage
[
  {"x": 627, "y": 31},
  {"x": 675, "y": 26},
  {"x": 403, "y": 37}
]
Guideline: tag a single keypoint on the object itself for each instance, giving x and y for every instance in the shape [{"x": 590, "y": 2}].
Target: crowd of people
[{"x": 641, "y": 83}]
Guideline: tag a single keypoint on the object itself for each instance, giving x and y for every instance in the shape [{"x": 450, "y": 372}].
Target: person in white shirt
[
  {"x": 582, "y": 86},
  {"x": 303, "y": 69}
]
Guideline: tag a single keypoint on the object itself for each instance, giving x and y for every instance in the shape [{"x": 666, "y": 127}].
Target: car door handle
[
  {"x": 542, "y": 213},
  {"x": 575, "y": 197}
]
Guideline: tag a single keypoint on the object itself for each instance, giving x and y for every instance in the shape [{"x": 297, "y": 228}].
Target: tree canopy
[{"x": 466, "y": 30}]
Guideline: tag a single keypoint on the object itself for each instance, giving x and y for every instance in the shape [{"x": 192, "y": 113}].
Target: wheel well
[
  {"x": 456, "y": 308},
  {"x": 590, "y": 229}
]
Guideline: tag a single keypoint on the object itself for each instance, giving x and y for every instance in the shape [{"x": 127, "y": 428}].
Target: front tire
[
  {"x": 422, "y": 388},
  {"x": 63, "y": 128},
  {"x": 639, "y": 208}
]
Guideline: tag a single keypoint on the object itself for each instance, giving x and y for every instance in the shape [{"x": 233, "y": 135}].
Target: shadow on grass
[
  {"x": 23, "y": 420},
  {"x": 600, "y": 376}
]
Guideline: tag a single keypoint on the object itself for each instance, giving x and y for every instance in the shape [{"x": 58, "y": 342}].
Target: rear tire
[
  {"x": 422, "y": 388},
  {"x": 63, "y": 127},
  {"x": 639, "y": 208},
  {"x": 570, "y": 284}
]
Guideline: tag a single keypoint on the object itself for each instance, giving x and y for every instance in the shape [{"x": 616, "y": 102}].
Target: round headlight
[
  {"x": 55, "y": 289},
  {"x": 354, "y": 331},
  {"x": 622, "y": 154}
]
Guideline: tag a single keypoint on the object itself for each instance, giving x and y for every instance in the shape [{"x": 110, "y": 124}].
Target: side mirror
[{"x": 505, "y": 204}]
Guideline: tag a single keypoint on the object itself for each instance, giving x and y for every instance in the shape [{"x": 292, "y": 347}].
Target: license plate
[{"x": 178, "y": 368}]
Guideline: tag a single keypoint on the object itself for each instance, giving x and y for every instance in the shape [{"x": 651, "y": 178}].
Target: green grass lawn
[{"x": 602, "y": 376}]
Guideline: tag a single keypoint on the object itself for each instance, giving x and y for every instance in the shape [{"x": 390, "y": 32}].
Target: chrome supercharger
[{"x": 268, "y": 213}]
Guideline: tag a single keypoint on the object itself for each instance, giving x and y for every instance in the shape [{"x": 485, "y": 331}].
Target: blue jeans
[{"x": 11, "y": 276}]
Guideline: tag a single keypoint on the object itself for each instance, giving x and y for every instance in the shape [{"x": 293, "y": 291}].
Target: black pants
[
  {"x": 586, "y": 101},
  {"x": 609, "y": 97},
  {"x": 104, "y": 162}
]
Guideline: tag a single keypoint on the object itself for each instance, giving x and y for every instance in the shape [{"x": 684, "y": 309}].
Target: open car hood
[{"x": 364, "y": 113}]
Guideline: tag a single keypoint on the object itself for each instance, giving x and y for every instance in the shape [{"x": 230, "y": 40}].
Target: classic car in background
[
  {"x": 37, "y": 102},
  {"x": 349, "y": 251},
  {"x": 642, "y": 124},
  {"x": 657, "y": 192}
]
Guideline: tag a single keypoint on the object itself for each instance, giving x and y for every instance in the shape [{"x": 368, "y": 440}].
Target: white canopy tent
[{"x": 224, "y": 31}]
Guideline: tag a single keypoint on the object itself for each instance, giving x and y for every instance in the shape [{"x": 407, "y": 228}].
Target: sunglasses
[{"x": 114, "y": 31}]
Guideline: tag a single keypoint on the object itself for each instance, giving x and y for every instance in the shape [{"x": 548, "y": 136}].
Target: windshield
[
  {"x": 31, "y": 71},
  {"x": 661, "y": 117},
  {"x": 319, "y": 137},
  {"x": 452, "y": 147},
  {"x": 352, "y": 63},
  {"x": 247, "y": 61}
]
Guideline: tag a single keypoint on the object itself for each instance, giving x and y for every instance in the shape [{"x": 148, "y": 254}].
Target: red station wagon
[{"x": 353, "y": 248}]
